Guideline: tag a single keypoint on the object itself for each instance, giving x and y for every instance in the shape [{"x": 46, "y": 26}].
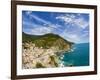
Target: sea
[{"x": 77, "y": 56}]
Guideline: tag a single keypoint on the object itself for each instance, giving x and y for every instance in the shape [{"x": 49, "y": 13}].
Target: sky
[{"x": 73, "y": 27}]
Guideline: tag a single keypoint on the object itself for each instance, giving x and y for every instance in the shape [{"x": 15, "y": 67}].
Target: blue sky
[{"x": 71, "y": 26}]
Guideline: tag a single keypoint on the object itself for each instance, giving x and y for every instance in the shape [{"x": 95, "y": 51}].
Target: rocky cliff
[{"x": 41, "y": 51}]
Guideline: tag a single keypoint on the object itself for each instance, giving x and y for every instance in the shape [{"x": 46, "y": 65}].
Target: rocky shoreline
[{"x": 38, "y": 57}]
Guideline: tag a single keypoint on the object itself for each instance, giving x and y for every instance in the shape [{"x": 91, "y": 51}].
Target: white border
[{"x": 21, "y": 71}]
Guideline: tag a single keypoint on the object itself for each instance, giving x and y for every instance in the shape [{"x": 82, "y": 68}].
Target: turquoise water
[{"x": 78, "y": 56}]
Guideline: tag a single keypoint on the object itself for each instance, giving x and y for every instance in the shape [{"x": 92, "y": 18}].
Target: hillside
[
  {"x": 47, "y": 41},
  {"x": 43, "y": 51}
]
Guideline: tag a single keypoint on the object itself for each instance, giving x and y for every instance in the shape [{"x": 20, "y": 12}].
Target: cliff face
[
  {"x": 35, "y": 57},
  {"x": 41, "y": 51},
  {"x": 48, "y": 41}
]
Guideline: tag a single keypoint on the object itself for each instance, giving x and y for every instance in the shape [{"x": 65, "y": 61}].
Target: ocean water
[{"x": 78, "y": 56}]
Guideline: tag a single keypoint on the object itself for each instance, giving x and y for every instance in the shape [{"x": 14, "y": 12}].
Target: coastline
[{"x": 38, "y": 57}]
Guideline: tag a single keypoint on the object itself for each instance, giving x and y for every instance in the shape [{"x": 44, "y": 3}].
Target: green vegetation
[
  {"x": 54, "y": 60},
  {"x": 49, "y": 45},
  {"x": 48, "y": 40},
  {"x": 39, "y": 65}
]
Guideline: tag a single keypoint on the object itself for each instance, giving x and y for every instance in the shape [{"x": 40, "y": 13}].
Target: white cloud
[
  {"x": 78, "y": 23},
  {"x": 72, "y": 20},
  {"x": 81, "y": 23},
  {"x": 41, "y": 31},
  {"x": 73, "y": 37},
  {"x": 27, "y": 23},
  {"x": 46, "y": 27},
  {"x": 66, "y": 18},
  {"x": 39, "y": 19},
  {"x": 71, "y": 34},
  {"x": 28, "y": 12}
]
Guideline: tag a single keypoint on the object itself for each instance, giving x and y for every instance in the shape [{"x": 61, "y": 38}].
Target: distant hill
[{"x": 48, "y": 41}]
